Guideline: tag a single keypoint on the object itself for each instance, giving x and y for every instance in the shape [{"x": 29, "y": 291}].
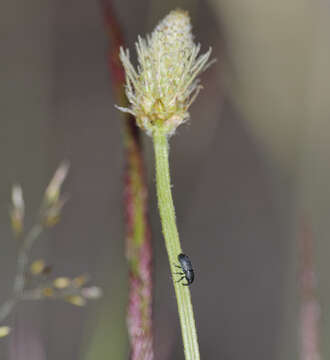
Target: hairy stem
[
  {"x": 172, "y": 242},
  {"x": 138, "y": 251}
]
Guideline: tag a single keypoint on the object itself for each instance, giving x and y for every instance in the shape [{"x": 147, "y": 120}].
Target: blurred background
[{"x": 252, "y": 162}]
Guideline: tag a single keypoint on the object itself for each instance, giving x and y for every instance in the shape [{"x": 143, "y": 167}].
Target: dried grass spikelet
[
  {"x": 4, "y": 331},
  {"x": 37, "y": 267},
  {"x": 165, "y": 84},
  {"x": 17, "y": 210}
]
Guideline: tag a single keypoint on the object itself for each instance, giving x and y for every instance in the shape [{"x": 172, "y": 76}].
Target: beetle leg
[
  {"x": 179, "y": 273},
  {"x": 180, "y": 279}
]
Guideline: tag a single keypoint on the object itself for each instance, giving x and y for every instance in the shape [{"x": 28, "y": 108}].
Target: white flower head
[{"x": 165, "y": 83}]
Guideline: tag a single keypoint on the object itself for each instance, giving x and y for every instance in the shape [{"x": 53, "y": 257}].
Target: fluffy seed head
[{"x": 165, "y": 83}]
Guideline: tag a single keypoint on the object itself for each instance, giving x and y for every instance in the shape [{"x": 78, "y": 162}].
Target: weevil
[{"x": 187, "y": 269}]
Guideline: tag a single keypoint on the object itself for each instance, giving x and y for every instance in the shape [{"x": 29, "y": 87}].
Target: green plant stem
[{"x": 172, "y": 242}]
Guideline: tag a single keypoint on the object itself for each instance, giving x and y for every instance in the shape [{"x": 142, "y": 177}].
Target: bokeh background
[{"x": 252, "y": 162}]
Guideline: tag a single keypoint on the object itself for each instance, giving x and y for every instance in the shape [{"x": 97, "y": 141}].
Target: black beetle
[{"x": 187, "y": 269}]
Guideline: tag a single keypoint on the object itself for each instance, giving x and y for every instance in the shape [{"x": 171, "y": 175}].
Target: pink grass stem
[
  {"x": 310, "y": 308},
  {"x": 138, "y": 239}
]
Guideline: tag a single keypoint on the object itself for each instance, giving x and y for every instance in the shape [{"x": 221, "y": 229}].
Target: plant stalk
[
  {"x": 172, "y": 242},
  {"x": 137, "y": 228},
  {"x": 19, "y": 282},
  {"x": 310, "y": 307}
]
